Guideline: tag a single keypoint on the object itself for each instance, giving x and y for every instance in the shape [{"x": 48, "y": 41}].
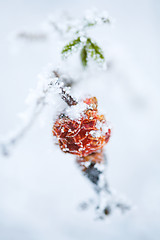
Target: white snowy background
[{"x": 40, "y": 187}]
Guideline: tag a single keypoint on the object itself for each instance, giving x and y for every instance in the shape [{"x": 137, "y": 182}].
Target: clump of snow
[
  {"x": 76, "y": 111},
  {"x": 94, "y": 16},
  {"x": 103, "y": 126},
  {"x": 96, "y": 133},
  {"x": 102, "y": 129}
]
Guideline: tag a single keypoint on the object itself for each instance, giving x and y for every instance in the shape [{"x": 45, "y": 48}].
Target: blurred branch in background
[{"x": 32, "y": 36}]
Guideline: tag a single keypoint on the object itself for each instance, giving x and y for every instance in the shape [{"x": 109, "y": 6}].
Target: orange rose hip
[{"x": 84, "y": 132}]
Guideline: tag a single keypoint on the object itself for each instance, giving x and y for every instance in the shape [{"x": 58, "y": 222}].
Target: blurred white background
[{"x": 40, "y": 187}]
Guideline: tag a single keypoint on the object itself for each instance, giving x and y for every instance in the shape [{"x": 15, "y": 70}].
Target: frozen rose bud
[{"x": 83, "y": 135}]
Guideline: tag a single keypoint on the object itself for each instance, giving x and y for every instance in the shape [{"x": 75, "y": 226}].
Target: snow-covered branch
[
  {"x": 107, "y": 200},
  {"x": 69, "y": 25},
  {"x": 55, "y": 82}
]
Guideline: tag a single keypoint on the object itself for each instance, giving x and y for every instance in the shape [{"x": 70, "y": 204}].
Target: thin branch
[
  {"x": 94, "y": 168},
  {"x": 5, "y": 146},
  {"x": 64, "y": 95},
  {"x": 32, "y": 36}
]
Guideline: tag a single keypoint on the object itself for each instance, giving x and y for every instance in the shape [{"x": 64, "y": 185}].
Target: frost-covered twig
[
  {"x": 15, "y": 138},
  {"x": 55, "y": 82},
  {"x": 94, "y": 168},
  {"x": 67, "y": 24},
  {"x": 64, "y": 94}
]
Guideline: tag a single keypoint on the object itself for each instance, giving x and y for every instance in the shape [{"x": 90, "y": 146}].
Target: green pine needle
[
  {"x": 95, "y": 51},
  {"x": 89, "y": 48},
  {"x": 84, "y": 56},
  {"x": 69, "y": 47}
]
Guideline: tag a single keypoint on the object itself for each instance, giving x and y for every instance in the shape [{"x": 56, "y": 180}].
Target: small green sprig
[
  {"x": 88, "y": 48},
  {"x": 73, "y": 45},
  {"x": 95, "y": 51}
]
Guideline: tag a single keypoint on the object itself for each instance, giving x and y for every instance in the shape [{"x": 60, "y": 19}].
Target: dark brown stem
[
  {"x": 64, "y": 95},
  {"x": 67, "y": 98},
  {"x": 56, "y": 74}
]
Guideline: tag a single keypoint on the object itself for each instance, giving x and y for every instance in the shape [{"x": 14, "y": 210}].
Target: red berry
[{"x": 84, "y": 135}]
